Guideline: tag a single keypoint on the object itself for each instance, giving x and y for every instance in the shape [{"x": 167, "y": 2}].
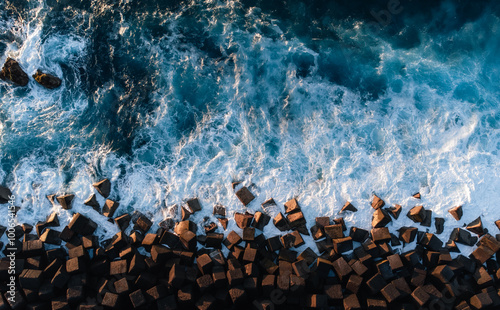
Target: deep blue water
[{"x": 325, "y": 100}]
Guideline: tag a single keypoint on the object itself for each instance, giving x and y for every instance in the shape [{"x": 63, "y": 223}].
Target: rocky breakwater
[{"x": 184, "y": 265}]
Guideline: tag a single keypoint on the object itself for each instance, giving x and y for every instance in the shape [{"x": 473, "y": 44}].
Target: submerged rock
[
  {"x": 13, "y": 72},
  {"x": 47, "y": 80}
]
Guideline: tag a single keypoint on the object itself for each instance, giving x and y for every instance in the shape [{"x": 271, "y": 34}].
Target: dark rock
[
  {"x": 482, "y": 254},
  {"x": 390, "y": 292},
  {"x": 428, "y": 219},
  {"x": 351, "y": 302},
  {"x": 47, "y": 80},
  {"x": 232, "y": 239},
  {"x": 342, "y": 268},
  {"x": 377, "y": 203},
  {"x": 334, "y": 231},
  {"x": 31, "y": 279},
  {"x": 91, "y": 201},
  {"x": 274, "y": 244},
  {"x": 308, "y": 255},
  {"x": 223, "y": 223},
  {"x": 281, "y": 222},
  {"x": 420, "y": 296},
  {"x": 293, "y": 239},
  {"x": 296, "y": 219},
  {"x": 243, "y": 220},
  {"x": 109, "y": 208},
  {"x": 193, "y": 205},
  {"x": 118, "y": 267},
  {"x": 244, "y": 195},
  {"x": 219, "y": 210},
  {"x": 142, "y": 223},
  {"x": 27, "y": 228},
  {"x": 452, "y": 247},
  {"x": 462, "y": 236},
  {"x": 188, "y": 240},
  {"x": 380, "y": 218},
  {"x": 416, "y": 195},
  {"x": 32, "y": 248},
  {"x": 348, "y": 207},
  {"x": 315, "y": 301},
  {"x": 342, "y": 245},
  {"x": 65, "y": 201},
  {"x": 238, "y": 296},
  {"x": 395, "y": 211},
  {"x": 476, "y": 226},
  {"x": 110, "y": 300},
  {"x": 354, "y": 283},
  {"x": 137, "y": 298},
  {"x": 439, "y": 222},
  {"x": 103, "y": 187},
  {"x": 456, "y": 212},
  {"x": 340, "y": 221},
  {"x": 381, "y": 234},
  {"x": 260, "y": 220},
  {"x": 235, "y": 277},
  {"x": 250, "y": 255},
  {"x": 431, "y": 242},
  {"x": 358, "y": 234},
  {"x": 301, "y": 268},
  {"x": 51, "y": 236},
  {"x": 123, "y": 221},
  {"x": 417, "y": 214},
  {"x": 292, "y": 206},
  {"x": 248, "y": 234},
  {"x": 60, "y": 278},
  {"x": 184, "y": 226},
  {"x": 317, "y": 232},
  {"x": 481, "y": 301},
  {"x": 167, "y": 224},
  {"x": 407, "y": 234},
  {"x": 322, "y": 221},
  {"x": 81, "y": 225},
  {"x": 376, "y": 304},
  {"x": 376, "y": 283},
  {"x": 214, "y": 240},
  {"x": 13, "y": 72},
  {"x": 359, "y": 268},
  {"x": 334, "y": 292},
  {"x": 5, "y": 193}
]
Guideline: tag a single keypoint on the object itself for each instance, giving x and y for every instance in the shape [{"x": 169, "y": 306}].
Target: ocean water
[{"x": 326, "y": 101}]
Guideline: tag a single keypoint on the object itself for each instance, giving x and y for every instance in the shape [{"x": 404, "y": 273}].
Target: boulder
[
  {"x": 395, "y": 211},
  {"x": 377, "y": 202},
  {"x": 103, "y": 187},
  {"x": 92, "y": 202},
  {"x": 439, "y": 222},
  {"x": 476, "y": 227},
  {"x": 4, "y": 194},
  {"x": 456, "y": 212},
  {"x": 380, "y": 218},
  {"x": 417, "y": 214},
  {"x": 13, "y": 72},
  {"x": 65, "y": 201},
  {"x": 47, "y": 80},
  {"x": 348, "y": 207}
]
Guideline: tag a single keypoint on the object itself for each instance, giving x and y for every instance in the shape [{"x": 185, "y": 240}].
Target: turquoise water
[{"x": 325, "y": 101}]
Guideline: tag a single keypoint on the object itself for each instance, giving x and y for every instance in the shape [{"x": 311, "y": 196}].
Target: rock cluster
[
  {"x": 177, "y": 266},
  {"x": 12, "y": 71}
]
